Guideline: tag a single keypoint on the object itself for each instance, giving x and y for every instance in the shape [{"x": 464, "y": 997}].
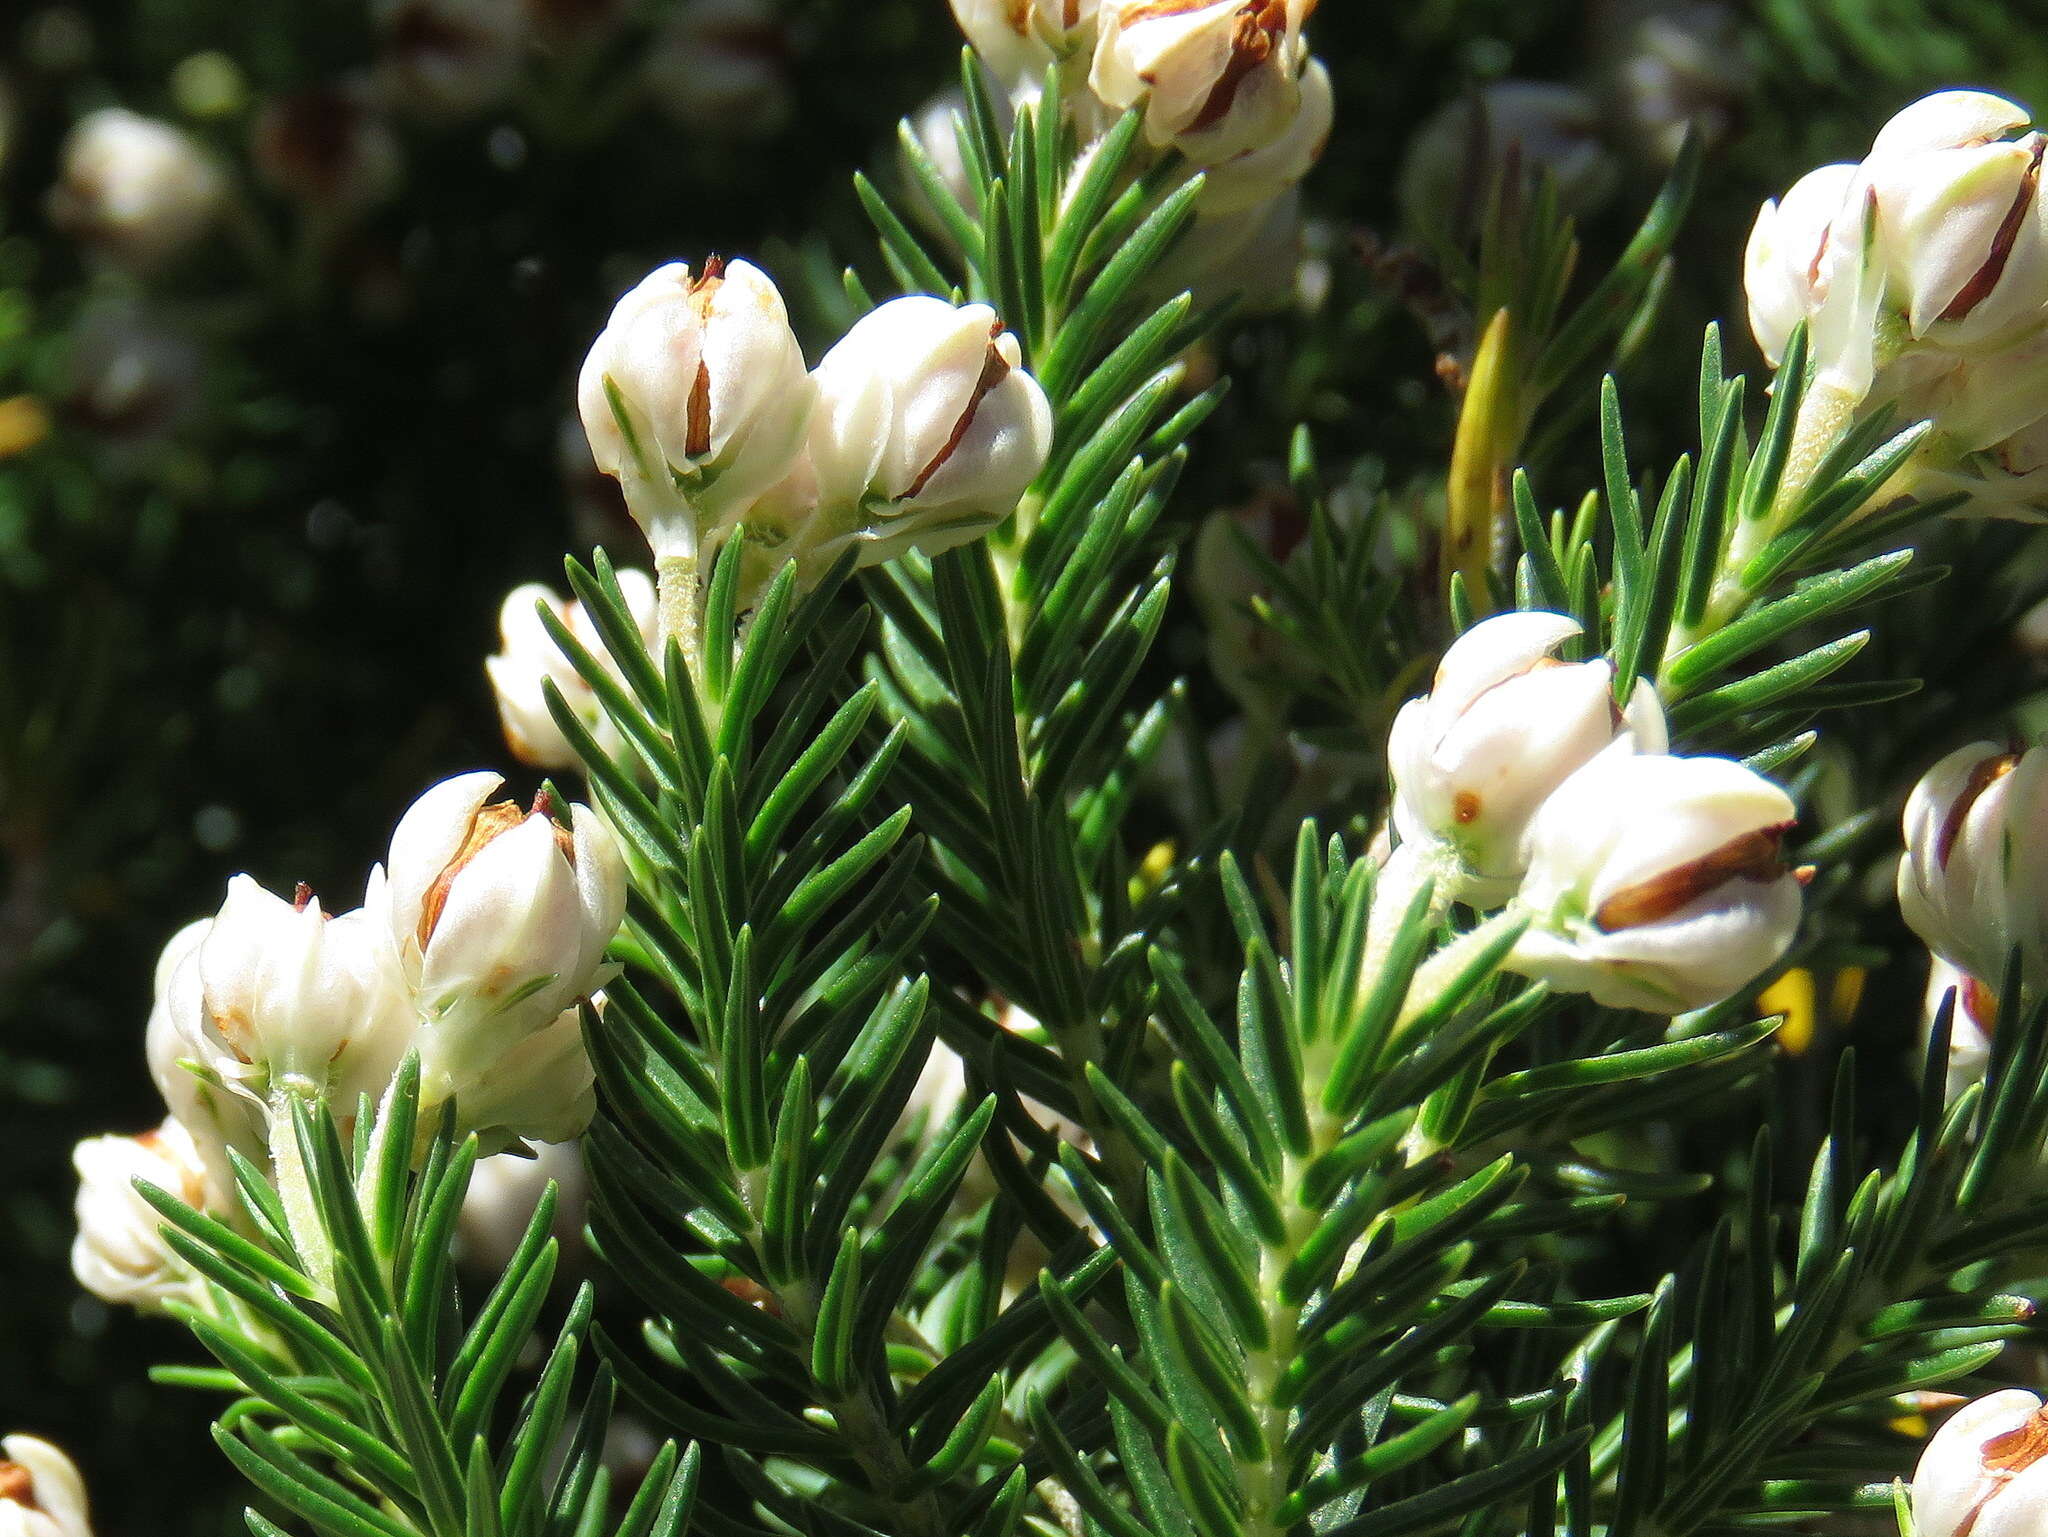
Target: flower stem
[
  {"x": 295, "y": 1187},
  {"x": 676, "y": 591},
  {"x": 1437, "y": 973},
  {"x": 1825, "y": 413},
  {"x": 1406, "y": 871}
]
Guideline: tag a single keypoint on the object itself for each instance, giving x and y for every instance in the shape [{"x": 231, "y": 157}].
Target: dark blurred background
[{"x": 258, "y": 509}]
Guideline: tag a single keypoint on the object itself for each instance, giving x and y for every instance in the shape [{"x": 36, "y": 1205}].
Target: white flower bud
[
  {"x": 1260, "y": 175},
  {"x": 1985, "y": 1472},
  {"x": 1922, "y": 273},
  {"x": 1785, "y": 267},
  {"x": 450, "y": 58},
  {"x": 935, "y": 127},
  {"x": 503, "y": 1193},
  {"x": 539, "y": 1086},
  {"x": 138, "y": 191},
  {"x": 119, "y": 1254},
  {"x": 214, "y": 1115},
  {"x": 1532, "y": 127},
  {"x": 287, "y": 994},
  {"x": 529, "y": 658},
  {"x": 41, "y": 1494},
  {"x": 1960, "y": 887},
  {"x": 1020, "y": 39},
  {"x": 329, "y": 148},
  {"x": 1969, "y": 1036},
  {"x": 500, "y": 919},
  {"x": 695, "y": 398},
  {"x": 1504, "y": 725},
  {"x": 1992, "y": 443},
  {"x": 1217, "y": 77},
  {"x": 927, "y": 429},
  {"x": 1960, "y": 227},
  {"x": 721, "y": 68},
  {"x": 1658, "y": 883}
]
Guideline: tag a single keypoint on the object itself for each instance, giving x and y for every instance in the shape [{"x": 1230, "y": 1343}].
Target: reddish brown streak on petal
[
  {"x": 1978, "y": 289},
  {"x": 1753, "y": 856},
  {"x": 697, "y": 414},
  {"x": 994, "y": 369},
  {"x": 1541, "y": 664},
  {"x": 1258, "y": 25},
  {"x": 1979, "y": 1002},
  {"x": 498, "y": 817},
  {"x": 1982, "y": 777},
  {"x": 697, "y": 409},
  {"x": 17, "y": 1486},
  {"x": 2004, "y": 1457},
  {"x": 2020, "y": 1448}
]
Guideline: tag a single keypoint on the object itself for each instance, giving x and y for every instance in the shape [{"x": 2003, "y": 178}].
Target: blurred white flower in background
[
  {"x": 118, "y": 1253},
  {"x": 504, "y": 1192},
  {"x": 721, "y": 68},
  {"x": 138, "y": 191},
  {"x": 528, "y": 658}
]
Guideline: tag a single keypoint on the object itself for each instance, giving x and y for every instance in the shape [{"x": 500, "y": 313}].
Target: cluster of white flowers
[
  {"x": 1228, "y": 84},
  {"x": 717, "y": 67},
  {"x": 140, "y": 192},
  {"x": 1921, "y": 272},
  {"x": 475, "y": 945},
  {"x": 920, "y": 427},
  {"x": 1650, "y": 881},
  {"x": 41, "y": 1494}
]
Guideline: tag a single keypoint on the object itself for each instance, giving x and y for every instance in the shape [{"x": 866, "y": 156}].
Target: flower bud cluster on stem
[
  {"x": 1921, "y": 276},
  {"x": 919, "y": 429},
  {"x": 1647, "y": 880},
  {"x": 1226, "y": 87},
  {"x": 472, "y": 953}
]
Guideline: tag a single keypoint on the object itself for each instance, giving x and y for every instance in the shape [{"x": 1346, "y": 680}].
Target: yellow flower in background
[{"x": 24, "y": 423}]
